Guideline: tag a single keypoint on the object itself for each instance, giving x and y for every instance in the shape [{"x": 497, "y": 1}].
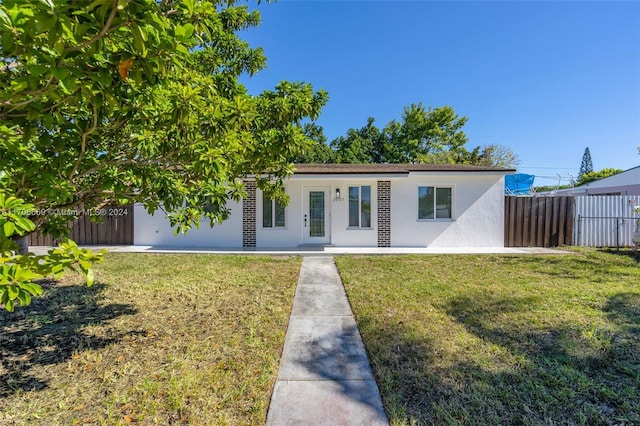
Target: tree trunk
[{"x": 23, "y": 243}]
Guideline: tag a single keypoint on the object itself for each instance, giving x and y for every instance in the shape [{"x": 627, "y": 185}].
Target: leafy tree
[
  {"x": 420, "y": 132},
  {"x": 451, "y": 157},
  {"x": 114, "y": 101},
  {"x": 495, "y": 155},
  {"x": 423, "y": 135},
  {"x": 360, "y": 146},
  {"x": 591, "y": 176},
  {"x": 489, "y": 156},
  {"x": 587, "y": 165},
  {"x": 424, "y": 132},
  {"x": 318, "y": 151}
]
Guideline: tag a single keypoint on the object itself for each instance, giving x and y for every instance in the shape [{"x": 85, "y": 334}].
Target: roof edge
[{"x": 373, "y": 169}]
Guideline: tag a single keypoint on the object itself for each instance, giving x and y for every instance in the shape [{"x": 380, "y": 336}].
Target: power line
[
  {"x": 554, "y": 178},
  {"x": 548, "y": 168}
]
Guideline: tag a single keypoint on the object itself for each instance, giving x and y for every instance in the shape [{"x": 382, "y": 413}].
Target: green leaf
[
  {"x": 45, "y": 24},
  {"x": 12, "y": 291},
  {"x": 47, "y": 3},
  {"x": 24, "y": 298},
  {"x": 4, "y": 19},
  {"x": 90, "y": 277},
  {"x": 9, "y": 228},
  {"x": 97, "y": 3},
  {"x": 188, "y": 30},
  {"x": 181, "y": 48},
  {"x": 139, "y": 39},
  {"x": 26, "y": 275},
  {"x": 25, "y": 224},
  {"x": 189, "y": 4},
  {"x": 32, "y": 288},
  {"x": 85, "y": 265},
  {"x": 184, "y": 32},
  {"x": 37, "y": 69},
  {"x": 59, "y": 73},
  {"x": 68, "y": 84}
]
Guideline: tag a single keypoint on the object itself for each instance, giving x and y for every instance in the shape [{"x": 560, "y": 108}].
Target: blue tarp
[{"x": 518, "y": 184}]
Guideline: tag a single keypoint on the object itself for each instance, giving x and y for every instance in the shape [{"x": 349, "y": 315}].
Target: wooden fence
[
  {"x": 538, "y": 221},
  {"x": 116, "y": 229}
]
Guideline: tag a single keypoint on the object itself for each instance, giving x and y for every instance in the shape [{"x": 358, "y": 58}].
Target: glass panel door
[{"x": 316, "y": 214}]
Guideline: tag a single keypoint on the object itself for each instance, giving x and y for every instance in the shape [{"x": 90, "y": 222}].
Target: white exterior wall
[
  {"x": 477, "y": 217},
  {"x": 292, "y": 234},
  {"x": 156, "y": 230}
]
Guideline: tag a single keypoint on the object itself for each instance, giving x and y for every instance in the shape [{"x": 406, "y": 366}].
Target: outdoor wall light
[{"x": 337, "y": 197}]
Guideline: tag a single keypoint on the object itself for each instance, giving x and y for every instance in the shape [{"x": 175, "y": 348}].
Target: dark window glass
[
  {"x": 443, "y": 203},
  {"x": 353, "y": 206},
  {"x": 425, "y": 202},
  {"x": 365, "y": 207}
]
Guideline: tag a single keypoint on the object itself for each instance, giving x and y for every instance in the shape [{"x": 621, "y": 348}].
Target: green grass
[
  {"x": 159, "y": 339},
  {"x": 501, "y": 340}
]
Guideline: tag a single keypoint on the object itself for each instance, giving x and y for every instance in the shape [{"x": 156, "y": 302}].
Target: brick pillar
[
  {"x": 249, "y": 215},
  {"x": 384, "y": 213}
]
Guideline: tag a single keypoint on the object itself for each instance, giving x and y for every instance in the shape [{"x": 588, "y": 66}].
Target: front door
[{"x": 316, "y": 220}]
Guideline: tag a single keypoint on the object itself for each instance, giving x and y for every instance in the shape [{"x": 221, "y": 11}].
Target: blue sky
[{"x": 545, "y": 78}]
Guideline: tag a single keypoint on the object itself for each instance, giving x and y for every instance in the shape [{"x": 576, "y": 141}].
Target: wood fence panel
[
  {"x": 562, "y": 206},
  {"x": 116, "y": 229},
  {"x": 538, "y": 221},
  {"x": 548, "y": 217},
  {"x": 533, "y": 223},
  {"x": 571, "y": 215},
  {"x": 526, "y": 223},
  {"x": 539, "y": 240}
]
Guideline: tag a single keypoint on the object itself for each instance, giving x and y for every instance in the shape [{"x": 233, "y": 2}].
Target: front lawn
[
  {"x": 159, "y": 339},
  {"x": 499, "y": 339}
]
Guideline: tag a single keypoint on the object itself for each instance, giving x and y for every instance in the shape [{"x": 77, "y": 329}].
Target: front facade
[{"x": 347, "y": 205}]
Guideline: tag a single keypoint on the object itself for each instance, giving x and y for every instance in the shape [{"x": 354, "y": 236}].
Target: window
[
  {"x": 272, "y": 213},
  {"x": 434, "y": 203},
  {"x": 360, "y": 206}
]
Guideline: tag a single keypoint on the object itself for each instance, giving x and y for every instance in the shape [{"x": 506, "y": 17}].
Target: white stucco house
[{"x": 355, "y": 205}]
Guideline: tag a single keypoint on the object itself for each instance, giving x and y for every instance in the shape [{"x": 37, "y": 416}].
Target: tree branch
[
  {"x": 36, "y": 95},
  {"x": 83, "y": 146},
  {"x": 102, "y": 32},
  {"x": 124, "y": 162}
]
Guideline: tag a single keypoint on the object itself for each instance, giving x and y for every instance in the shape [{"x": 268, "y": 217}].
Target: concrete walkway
[{"x": 324, "y": 376}]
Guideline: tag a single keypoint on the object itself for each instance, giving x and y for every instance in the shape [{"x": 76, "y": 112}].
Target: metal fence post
[{"x": 617, "y": 235}]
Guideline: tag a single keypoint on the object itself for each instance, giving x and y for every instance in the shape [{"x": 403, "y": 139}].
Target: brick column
[
  {"x": 249, "y": 215},
  {"x": 384, "y": 213}
]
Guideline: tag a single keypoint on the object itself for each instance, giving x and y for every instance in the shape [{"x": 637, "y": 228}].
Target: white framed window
[
  {"x": 273, "y": 213},
  {"x": 360, "y": 206},
  {"x": 435, "y": 202}
]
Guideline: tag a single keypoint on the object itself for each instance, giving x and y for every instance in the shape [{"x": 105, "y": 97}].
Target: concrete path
[{"x": 324, "y": 376}]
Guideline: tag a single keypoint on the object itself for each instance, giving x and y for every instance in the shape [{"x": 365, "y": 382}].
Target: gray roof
[{"x": 303, "y": 169}]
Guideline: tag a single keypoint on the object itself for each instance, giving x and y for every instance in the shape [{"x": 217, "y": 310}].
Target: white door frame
[{"x": 307, "y": 218}]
